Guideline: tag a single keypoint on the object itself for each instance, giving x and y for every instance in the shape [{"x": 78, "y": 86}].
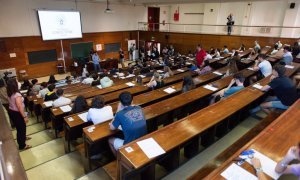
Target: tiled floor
[{"x": 47, "y": 159}]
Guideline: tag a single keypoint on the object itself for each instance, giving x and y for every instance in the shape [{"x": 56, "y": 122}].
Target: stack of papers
[
  {"x": 237, "y": 173},
  {"x": 187, "y": 63},
  {"x": 267, "y": 164},
  {"x": 99, "y": 87},
  {"x": 48, "y": 103},
  {"x": 257, "y": 86},
  {"x": 91, "y": 129},
  {"x": 289, "y": 66},
  {"x": 83, "y": 116},
  {"x": 23, "y": 91},
  {"x": 151, "y": 148},
  {"x": 209, "y": 87},
  {"x": 121, "y": 74},
  {"x": 217, "y": 73},
  {"x": 250, "y": 68},
  {"x": 66, "y": 108},
  {"x": 70, "y": 119},
  {"x": 75, "y": 82},
  {"x": 130, "y": 84},
  {"x": 130, "y": 75},
  {"x": 180, "y": 70},
  {"x": 169, "y": 90},
  {"x": 159, "y": 71},
  {"x": 122, "y": 77},
  {"x": 142, "y": 76}
]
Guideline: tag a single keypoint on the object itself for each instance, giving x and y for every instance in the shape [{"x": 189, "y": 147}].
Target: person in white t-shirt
[
  {"x": 262, "y": 65},
  {"x": 99, "y": 113},
  {"x": 61, "y": 100},
  {"x": 44, "y": 90},
  {"x": 88, "y": 80}
]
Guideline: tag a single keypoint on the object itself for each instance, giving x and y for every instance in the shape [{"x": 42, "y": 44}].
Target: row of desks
[
  {"x": 202, "y": 123},
  {"x": 271, "y": 142}
]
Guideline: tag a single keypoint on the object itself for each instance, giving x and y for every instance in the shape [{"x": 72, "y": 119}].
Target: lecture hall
[{"x": 149, "y": 89}]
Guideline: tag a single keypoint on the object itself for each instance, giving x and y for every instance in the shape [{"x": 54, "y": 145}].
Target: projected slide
[{"x": 60, "y": 24}]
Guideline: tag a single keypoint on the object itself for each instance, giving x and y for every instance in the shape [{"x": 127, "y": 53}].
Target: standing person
[
  {"x": 200, "y": 55},
  {"x": 131, "y": 51},
  {"x": 230, "y": 23},
  {"x": 132, "y": 121},
  {"x": 17, "y": 113},
  {"x": 96, "y": 62},
  {"x": 121, "y": 54}
]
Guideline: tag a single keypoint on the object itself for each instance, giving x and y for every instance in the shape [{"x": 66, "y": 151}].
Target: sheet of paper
[
  {"x": 70, "y": 119},
  {"x": 209, "y": 87},
  {"x": 235, "y": 172},
  {"x": 159, "y": 71},
  {"x": 289, "y": 66},
  {"x": 130, "y": 84},
  {"x": 187, "y": 63},
  {"x": 217, "y": 73},
  {"x": 66, "y": 108},
  {"x": 150, "y": 147},
  {"x": 99, "y": 87},
  {"x": 122, "y": 77},
  {"x": 257, "y": 86},
  {"x": 83, "y": 116},
  {"x": 23, "y": 91},
  {"x": 180, "y": 70},
  {"x": 75, "y": 82},
  {"x": 121, "y": 74},
  {"x": 142, "y": 76},
  {"x": 250, "y": 69},
  {"x": 48, "y": 103},
  {"x": 169, "y": 90},
  {"x": 60, "y": 85},
  {"x": 268, "y": 165},
  {"x": 130, "y": 75}
]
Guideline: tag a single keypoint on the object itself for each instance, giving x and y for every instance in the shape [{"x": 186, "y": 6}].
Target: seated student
[
  {"x": 68, "y": 79},
  {"x": 145, "y": 69},
  {"x": 52, "y": 79},
  {"x": 51, "y": 95},
  {"x": 275, "y": 49},
  {"x": 85, "y": 72},
  {"x": 284, "y": 89},
  {"x": 164, "y": 51},
  {"x": 238, "y": 79},
  {"x": 156, "y": 81},
  {"x": 88, "y": 80},
  {"x": 130, "y": 68},
  {"x": 171, "y": 51},
  {"x": 99, "y": 113},
  {"x": 282, "y": 167},
  {"x": 79, "y": 105},
  {"x": 256, "y": 46},
  {"x": 132, "y": 121},
  {"x": 193, "y": 66},
  {"x": 242, "y": 48},
  {"x": 30, "y": 91},
  {"x": 154, "y": 53},
  {"x": 106, "y": 82},
  {"x": 207, "y": 57},
  {"x": 232, "y": 67},
  {"x": 205, "y": 69},
  {"x": 61, "y": 100},
  {"x": 187, "y": 84},
  {"x": 25, "y": 85},
  {"x": 262, "y": 65},
  {"x": 36, "y": 87},
  {"x": 96, "y": 81},
  {"x": 296, "y": 51},
  {"x": 287, "y": 57},
  {"x": 225, "y": 50},
  {"x": 279, "y": 44},
  {"x": 167, "y": 72},
  {"x": 217, "y": 53},
  {"x": 44, "y": 90}
]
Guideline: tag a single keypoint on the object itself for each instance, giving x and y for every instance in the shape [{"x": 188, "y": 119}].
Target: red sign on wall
[{"x": 176, "y": 15}]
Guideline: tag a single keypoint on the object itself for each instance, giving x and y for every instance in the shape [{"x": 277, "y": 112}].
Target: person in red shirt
[{"x": 200, "y": 56}]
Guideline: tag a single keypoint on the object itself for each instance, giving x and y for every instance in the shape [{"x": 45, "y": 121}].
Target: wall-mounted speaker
[{"x": 292, "y": 5}]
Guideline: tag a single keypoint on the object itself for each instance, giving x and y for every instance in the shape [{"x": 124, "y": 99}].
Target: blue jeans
[{"x": 97, "y": 67}]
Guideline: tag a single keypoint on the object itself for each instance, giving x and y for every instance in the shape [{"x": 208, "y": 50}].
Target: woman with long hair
[
  {"x": 167, "y": 72},
  {"x": 187, "y": 84},
  {"x": 232, "y": 67},
  {"x": 17, "y": 113},
  {"x": 79, "y": 105}
]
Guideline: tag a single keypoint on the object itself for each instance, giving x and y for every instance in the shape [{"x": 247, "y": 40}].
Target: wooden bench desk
[
  {"x": 186, "y": 132},
  {"x": 72, "y": 131},
  {"x": 274, "y": 141}
]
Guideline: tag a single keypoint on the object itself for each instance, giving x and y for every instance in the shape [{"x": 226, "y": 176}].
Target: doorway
[{"x": 153, "y": 18}]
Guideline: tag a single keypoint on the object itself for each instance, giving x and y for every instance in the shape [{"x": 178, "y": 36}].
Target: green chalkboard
[
  {"x": 113, "y": 47},
  {"x": 36, "y": 57},
  {"x": 81, "y": 50}
]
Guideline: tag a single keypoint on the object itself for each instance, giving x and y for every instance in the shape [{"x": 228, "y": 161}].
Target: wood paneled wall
[
  {"x": 183, "y": 42},
  {"x": 22, "y": 45}
]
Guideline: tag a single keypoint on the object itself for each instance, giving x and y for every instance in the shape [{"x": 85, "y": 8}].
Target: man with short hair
[
  {"x": 132, "y": 121},
  {"x": 51, "y": 95},
  {"x": 61, "y": 100},
  {"x": 238, "y": 79},
  {"x": 287, "y": 57},
  {"x": 284, "y": 89},
  {"x": 88, "y": 80},
  {"x": 44, "y": 90},
  {"x": 262, "y": 65},
  {"x": 36, "y": 87}
]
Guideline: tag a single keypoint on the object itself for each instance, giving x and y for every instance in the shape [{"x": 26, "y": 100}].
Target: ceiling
[{"x": 151, "y": 2}]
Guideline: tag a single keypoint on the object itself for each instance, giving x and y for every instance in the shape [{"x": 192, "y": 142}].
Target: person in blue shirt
[
  {"x": 130, "y": 119},
  {"x": 225, "y": 50},
  {"x": 238, "y": 79},
  {"x": 96, "y": 61},
  {"x": 287, "y": 57}
]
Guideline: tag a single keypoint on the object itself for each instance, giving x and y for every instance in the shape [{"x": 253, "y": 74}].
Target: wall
[
  {"x": 22, "y": 45},
  {"x": 184, "y": 42},
  {"x": 19, "y": 17}
]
